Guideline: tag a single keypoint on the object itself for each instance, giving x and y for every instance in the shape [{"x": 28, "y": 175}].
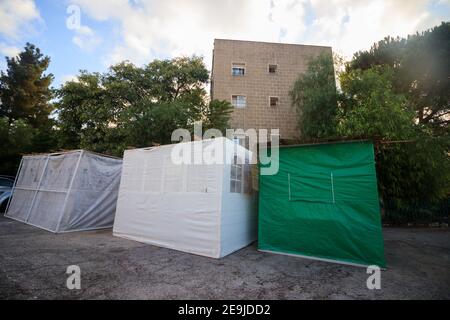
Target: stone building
[{"x": 256, "y": 78}]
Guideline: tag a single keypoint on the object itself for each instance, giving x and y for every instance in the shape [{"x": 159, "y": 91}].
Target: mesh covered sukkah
[{"x": 69, "y": 191}]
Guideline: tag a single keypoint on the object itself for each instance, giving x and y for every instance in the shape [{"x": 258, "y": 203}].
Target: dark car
[{"x": 6, "y": 185}]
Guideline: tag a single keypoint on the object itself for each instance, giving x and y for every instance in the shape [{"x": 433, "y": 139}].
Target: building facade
[{"x": 256, "y": 78}]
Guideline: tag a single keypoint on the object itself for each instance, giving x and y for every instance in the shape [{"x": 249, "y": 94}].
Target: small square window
[
  {"x": 273, "y": 101},
  {"x": 273, "y": 68},
  {"x": 238, "y": 69},
  {"x": 239, "y": 101}
]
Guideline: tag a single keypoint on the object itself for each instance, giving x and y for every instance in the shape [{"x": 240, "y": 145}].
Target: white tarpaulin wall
[
  {"x": 70, "y": 191},
  {"x": 205, "y": 209}
]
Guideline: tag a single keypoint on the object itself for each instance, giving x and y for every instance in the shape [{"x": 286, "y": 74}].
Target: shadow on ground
[{"x": 33, "y": 264}]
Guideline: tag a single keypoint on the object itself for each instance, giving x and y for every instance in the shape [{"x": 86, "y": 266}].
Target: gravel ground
[{"x": 33, "y": 264}]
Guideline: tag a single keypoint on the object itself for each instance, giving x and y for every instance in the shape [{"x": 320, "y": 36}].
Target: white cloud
[
  {"x": 86, "y": 38},
  {"x": 16, "y": 16},
  {"x": 149, "y": 29},
  {"x": 69, "y": 77},
  {"x": 350, "y": 25},
  {"x": 9, "y": 51},
  {"x": 152, "y": 29}
]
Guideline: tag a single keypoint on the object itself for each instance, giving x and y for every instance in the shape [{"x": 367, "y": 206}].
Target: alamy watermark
[
  {"x": 374, "y": 280},
  {"x": 74, "y": 279},
  {"x": 264, "y": 146},
  {"x": 73, "y": 21}
]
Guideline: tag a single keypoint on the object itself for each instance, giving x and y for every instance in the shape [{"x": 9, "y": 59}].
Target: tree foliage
[
  {"x": 416, "y": 172},
  {"x": 413, "y": 165},
  {"x": 217, "y": 114},
  {"x": 16, "y": 137},
  {"x": 25, "y": 108},
  {"x": 131, "y": 106},
  {"x": 396, "y": 94},
  {"x": 315, "y": 98},
  {"x": 412, "y": 162},
  {"x": 400, "y": 90},
  {"x": 369, "y": 108},
  {"x": 25, "y": 89},
  {"x": 421, "y": 68}
]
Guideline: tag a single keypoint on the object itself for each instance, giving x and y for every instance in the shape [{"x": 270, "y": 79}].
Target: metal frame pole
[{"x": 68, "y": 191}]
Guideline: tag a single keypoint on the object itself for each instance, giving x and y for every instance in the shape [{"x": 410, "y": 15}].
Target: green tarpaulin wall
[{"x": 323, "y": 203}]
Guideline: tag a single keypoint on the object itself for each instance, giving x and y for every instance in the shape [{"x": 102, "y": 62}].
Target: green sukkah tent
[{"x": 323, "y": 204}]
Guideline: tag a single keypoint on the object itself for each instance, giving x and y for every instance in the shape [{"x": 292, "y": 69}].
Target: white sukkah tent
[
  {"x": 202, "y": 208},
  {"x": 68, "y": 191}
]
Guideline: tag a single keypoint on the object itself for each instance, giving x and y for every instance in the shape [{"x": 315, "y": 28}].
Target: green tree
[
  {"x": 314, "y": 96},
  {"x": 369, "y": 107},
  {"x": 413, "y": 165},
  {"x": 421, "y": 71},
  {"x": 217, "y": 115},
  {"x": 24, "y": 89},
  {"x": 131, "y": 106},
  {"x": 16, "y": 137},
  {"x": 175, "y": 79},
  {"x": 414, "y": 174},
  {"x": 384, "y": 98},
  {"x": 416, "y": 72},
  {"x": 25, "y": 105},
  {"x": 86, "y": 115}
]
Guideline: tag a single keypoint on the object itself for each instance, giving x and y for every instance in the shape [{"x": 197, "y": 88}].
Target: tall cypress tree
[
  {"x": 25, "y": 107},
  {"x": 24, "y": 88}
]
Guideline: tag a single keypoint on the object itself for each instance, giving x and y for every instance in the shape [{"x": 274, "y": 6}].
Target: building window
[
  {"x": 239, "y": 101},
  {"x": 273, "y": 68},
  {"x": 273, "y": 101},
  {"x": 238, "y": 69}
]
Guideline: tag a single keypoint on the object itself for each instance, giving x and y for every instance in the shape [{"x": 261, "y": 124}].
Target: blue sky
[
  {"x": 142, "y": 30},
  {"x": 51, "y": 35}
]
